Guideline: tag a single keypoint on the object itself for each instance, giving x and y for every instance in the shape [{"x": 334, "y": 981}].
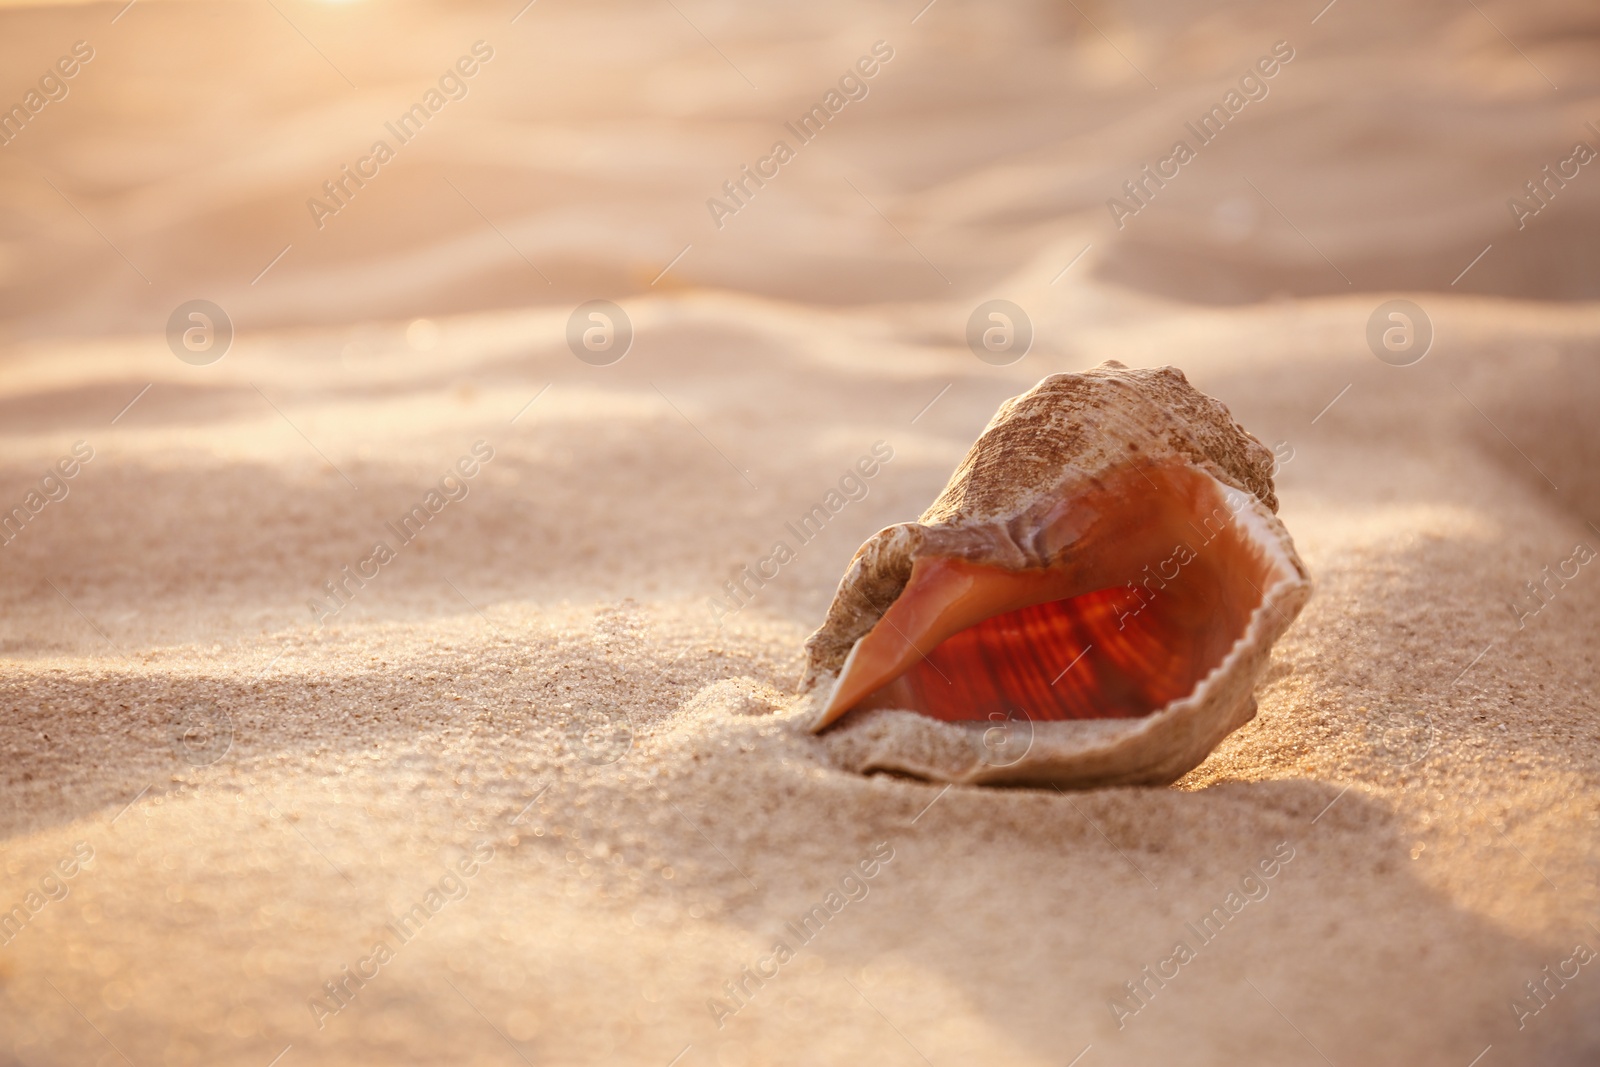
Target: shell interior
[{"x": 1156, "y": 570}]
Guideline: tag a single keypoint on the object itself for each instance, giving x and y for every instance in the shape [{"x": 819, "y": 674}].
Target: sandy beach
[{"x": 533, "y": 787}]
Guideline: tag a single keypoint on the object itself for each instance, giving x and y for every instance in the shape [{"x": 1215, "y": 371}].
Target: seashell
[{"x": 1087, "y": 603}]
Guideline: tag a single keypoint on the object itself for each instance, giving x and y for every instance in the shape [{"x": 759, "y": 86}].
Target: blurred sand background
[{"x": 540, "y": 670}]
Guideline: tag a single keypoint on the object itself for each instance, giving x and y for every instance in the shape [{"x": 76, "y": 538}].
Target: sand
[{"x": 529, "y": 759}]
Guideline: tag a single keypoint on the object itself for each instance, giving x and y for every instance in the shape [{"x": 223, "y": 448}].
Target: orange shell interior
[{"x": 1158, "y": 578}]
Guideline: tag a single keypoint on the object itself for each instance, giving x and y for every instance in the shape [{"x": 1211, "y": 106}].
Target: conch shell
[{"x": 1088, "y": 602}]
